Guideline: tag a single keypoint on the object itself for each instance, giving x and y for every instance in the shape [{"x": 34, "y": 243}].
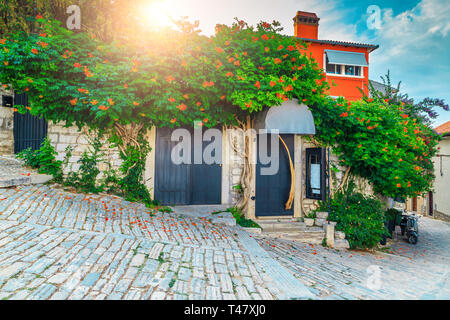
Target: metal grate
[{"x": 29, "y": 130}]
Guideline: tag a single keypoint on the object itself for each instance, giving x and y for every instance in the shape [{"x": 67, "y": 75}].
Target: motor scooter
[{"x": 410, "y": 226}]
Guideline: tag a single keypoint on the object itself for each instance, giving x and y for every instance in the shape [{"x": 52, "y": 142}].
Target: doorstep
[{"x": 13, "y": 173}]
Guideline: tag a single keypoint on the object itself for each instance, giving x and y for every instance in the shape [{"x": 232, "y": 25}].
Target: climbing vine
[{"x": 177, "y": 77}]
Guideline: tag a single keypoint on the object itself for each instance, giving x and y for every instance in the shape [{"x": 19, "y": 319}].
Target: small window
[
  {"x": 347, "y": 70},
  {"x": 7, "y": 101},
  {"x": 331, "y": 68},
  {"x": 353, "y": 70},
  {"x": 315, "y": 173},
  {"x": 350, "y": 70}
]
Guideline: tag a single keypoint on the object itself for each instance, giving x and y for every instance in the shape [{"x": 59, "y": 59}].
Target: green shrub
[
  {"x": 360, "y": 217},
  {"x": 240, "y": 218},
  {"x": 43, "y": 159},
  {"x": 132, "y": 181},
  {"x": 391, "y": 214},
  {"x": 311, "y": 215},
  {"x": 85, "y": 179}
]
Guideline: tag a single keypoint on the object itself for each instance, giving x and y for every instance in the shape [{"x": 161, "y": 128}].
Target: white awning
[
  {"x": 346, "y": 58},
  {"x": 289, "y": 118}
]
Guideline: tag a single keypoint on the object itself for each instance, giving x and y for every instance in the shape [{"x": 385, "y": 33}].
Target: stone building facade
[
  {"x": 233, "y": 147},
  {"x": 62, "y": 137}
]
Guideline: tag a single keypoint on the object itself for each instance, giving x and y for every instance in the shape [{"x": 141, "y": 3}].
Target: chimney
[{"x": 306, "y": 25}]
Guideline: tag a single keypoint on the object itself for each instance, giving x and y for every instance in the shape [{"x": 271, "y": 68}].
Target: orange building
[{"x": 345, "y": 63}]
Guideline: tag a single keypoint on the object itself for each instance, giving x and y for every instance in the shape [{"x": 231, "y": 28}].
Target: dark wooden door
[
  {"x": 272, "y": 191},
  {"x": 29, "y": 130},
  {"x": 414, "y": 204},
  {"x": 184, "y": 184},
  {"x": 430, "y": 203}
]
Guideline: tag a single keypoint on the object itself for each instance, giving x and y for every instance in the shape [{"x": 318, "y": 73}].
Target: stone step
[
  {"x": 287, "y": 226},
  {"x": 282, "y": 226},
  {"x": 310, "y": 237}
]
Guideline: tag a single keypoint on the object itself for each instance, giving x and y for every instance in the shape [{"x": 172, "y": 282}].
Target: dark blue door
[
  {"x": 29, "y": 130},
  {"x": 184, "y": 184},
  {"x": 272, "y": 191}
]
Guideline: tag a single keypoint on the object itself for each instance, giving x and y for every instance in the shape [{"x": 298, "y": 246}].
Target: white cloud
[
  {"x": 418, "y": 28},
  {"x": 415, "y": 47}
]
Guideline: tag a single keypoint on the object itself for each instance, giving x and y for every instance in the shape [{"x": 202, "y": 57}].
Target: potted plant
[
  {"x": 309, "y": 219},
  {"x": 390, "y": 218}
]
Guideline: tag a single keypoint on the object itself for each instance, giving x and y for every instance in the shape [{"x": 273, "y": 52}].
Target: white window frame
[{"x": 342, "y": 74}]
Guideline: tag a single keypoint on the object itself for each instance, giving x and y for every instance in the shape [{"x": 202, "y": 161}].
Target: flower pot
[{"x": 383, "y": 240}]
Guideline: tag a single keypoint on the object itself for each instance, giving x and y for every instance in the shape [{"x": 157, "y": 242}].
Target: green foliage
[
  {"x": 380, "y": 143},
  {"x": 360, "y": 217},
  {"x": 43, "y": 159},
  {"x": 29, "y": 157},
  {"x": 311, "y": 215},
  {"x": 392, "y": 214},
  {"x": 424, "y": 110},
  {"x": 185, "y": 77},
  {"x": 176, "y": 77},
  {"x": 132, "y": 185},
  {"x": 238, "y": 187},
  {"x": 85, "y": 178},
  {"x": 240, "y": 218}
]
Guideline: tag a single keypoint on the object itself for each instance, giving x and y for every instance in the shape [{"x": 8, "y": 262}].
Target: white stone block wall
[
  {"x": 233, "y": 163},
  {"x": 6, "y": 126},
  {"x": 61, "y": 137}
]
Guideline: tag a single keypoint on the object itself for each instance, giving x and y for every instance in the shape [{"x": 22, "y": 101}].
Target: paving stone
[
  {"x": 90, "y": 279},
  {"x": 158, "y": 295},
  {"x": 11, "y": 270},
  {"x": 226, "y": 283},
  {"x": 138, "y": 260},
  {"x": 64, "y": 259},
  {"x": 184, "y": 274},
  {"x": 213, "y": 293},
  {"x": 13, "y": 285},
  {"x": 43, "y": 292}
]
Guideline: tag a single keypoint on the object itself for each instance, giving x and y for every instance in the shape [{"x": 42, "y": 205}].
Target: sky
[{"x": 413, "y": 35}]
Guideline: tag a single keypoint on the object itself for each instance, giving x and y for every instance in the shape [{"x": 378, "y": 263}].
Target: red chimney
[{"x": 306, "y": 25}]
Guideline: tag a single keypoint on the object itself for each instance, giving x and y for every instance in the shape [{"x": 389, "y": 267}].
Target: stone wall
[
  {"x": 6, "y": 127},
  {"x": 233, "y": 163},
  {"x": 6, "y": 131},
  {"x": 441, "y": 199},
  {"x": 61, "y": 137}
]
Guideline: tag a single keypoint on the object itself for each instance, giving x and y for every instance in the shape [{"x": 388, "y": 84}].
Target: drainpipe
[{"x": 328, "y": 178}]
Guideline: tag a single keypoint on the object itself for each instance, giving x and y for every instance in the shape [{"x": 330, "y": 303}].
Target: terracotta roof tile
[
  {"x": 443, "y": 128},
  {"x": 371, "y": 47}
]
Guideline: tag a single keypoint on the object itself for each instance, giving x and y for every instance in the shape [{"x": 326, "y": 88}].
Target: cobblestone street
[
  {"x": 59, "y": 245},
  {"x": 407, "y": 271}
]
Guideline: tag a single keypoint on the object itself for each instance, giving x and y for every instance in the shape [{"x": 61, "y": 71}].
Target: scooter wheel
[{"x": 412, "y": 239}]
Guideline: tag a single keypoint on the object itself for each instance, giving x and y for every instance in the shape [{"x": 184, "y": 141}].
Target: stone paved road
[
  {"x": 58, "y": 245},
  {"x": 407, "y": 271}
]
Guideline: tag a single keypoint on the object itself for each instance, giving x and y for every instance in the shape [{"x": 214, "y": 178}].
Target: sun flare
[{"x": 156, "y": 14}]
